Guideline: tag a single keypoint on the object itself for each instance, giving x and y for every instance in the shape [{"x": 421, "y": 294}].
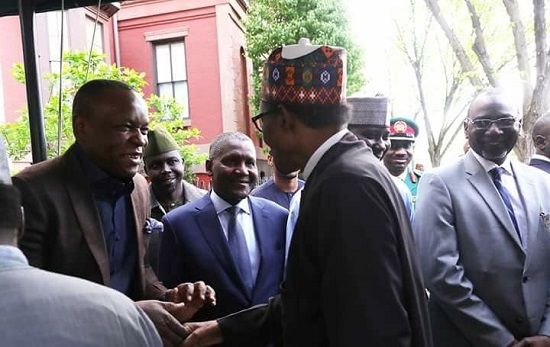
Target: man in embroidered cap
[
  {"x": 403, "y": 133},
  {"x": 370, "y": 123},
  {"x": 165, "y": 167},
  {"x": 352, "y": 277}
]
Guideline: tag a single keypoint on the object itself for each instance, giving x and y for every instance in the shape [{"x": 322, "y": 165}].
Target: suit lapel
[
  {"x": 86, "y": 212},
  {"x": 211, "y": 229},
  {"x": 483, "y": 184},
  {"x": 261, "y": 221},
  {"x": 528, "y": 194}
]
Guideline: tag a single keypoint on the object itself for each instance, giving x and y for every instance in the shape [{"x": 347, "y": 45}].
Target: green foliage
[
  {"x": 272, "y": 23},
  {"x": 163, "y": 110}
]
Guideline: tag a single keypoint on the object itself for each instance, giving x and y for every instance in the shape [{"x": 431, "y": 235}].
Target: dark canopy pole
[{"x": 34, "y": 99}]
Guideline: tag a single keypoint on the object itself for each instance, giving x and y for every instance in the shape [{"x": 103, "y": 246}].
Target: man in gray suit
[{"x": 482, "y": 228}]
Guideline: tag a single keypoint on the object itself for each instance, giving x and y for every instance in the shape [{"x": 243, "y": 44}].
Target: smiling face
[
  {"x": 495, "y": 142},
  {"x": 233, "y": 169},
  {"x": 166, "y": 171},
  {"x": 114, "y": 131},
  {"x": 376, "y": 137},
  {"x": 399, "y": 156}
]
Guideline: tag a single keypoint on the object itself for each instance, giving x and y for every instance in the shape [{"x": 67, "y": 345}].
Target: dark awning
[
  {"x": 11, "y": 7},
  {"x": 26, "y": 10}
]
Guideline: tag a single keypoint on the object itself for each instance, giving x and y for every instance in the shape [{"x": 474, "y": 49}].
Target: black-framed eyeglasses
[
  {"x": 502, "y": 123},
  {"x": 257, "y": 120}
]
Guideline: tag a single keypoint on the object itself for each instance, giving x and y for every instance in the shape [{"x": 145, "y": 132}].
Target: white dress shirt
[
  {"x": 244, "y": 217},
  {"x": 321, "y": 150},
  {"x": 509, "y": 182}
]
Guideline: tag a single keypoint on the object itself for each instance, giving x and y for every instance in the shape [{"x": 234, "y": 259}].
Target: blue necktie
[
  {"x": 239, "y": 250},
  {"x": 505, "y": 195}
]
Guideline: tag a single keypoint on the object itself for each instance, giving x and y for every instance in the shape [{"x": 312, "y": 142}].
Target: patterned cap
[
  {"x": 159, "y": 141},
  {"x": 403, "y": 129},
  {"x": 4, "y": 164},
  {"x": 369, "y": 111},
  {"x": 305, "y": 75}
]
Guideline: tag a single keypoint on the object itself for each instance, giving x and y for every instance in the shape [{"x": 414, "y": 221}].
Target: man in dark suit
[
  {"x": 241, "y": 255},
  {"x": 85, "y": 210},
  {"x": 165, "y": 168},
  {"x": 352, "y": 276},
  {"x": 483, "y": 234},
  {"x": 541, "y": 139}
]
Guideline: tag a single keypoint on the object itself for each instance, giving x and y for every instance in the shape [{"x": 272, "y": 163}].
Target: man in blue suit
[
  {"x": 232, "y": 240},
  {"x": 541, "y": 139}
]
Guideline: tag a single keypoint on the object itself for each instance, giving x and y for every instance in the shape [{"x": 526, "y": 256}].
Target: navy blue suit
[
  {"x": 194, "y": 248},
  {"x": 541, "y": 164}
]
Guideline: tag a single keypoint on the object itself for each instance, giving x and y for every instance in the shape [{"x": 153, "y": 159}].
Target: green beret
[{"x": 159, "y": 141}]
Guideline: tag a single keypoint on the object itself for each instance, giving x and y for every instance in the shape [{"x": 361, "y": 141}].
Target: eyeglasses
[
  {"x": 257, "y": 120},
  {"x": 502, "y": 123}
]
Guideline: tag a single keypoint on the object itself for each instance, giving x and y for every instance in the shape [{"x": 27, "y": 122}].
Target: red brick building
[{"x": 192, "y": 50}]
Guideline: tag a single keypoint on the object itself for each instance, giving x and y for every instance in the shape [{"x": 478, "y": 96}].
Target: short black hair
[
  {"x": 10, "y": 207},
  {"x": 315, "y": 116},
  {"x": 90, "y": 91}
]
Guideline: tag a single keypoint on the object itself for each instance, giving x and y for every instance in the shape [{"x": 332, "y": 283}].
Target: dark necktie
[
  {"x": 505, "y": 195},
  {"x": 239, "y": 250}
]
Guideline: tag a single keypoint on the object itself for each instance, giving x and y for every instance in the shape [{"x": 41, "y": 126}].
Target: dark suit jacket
[
  {"x": 352, "y": 276},
  {"x": 193, "y": 248},
  {"x": 63, "y": 231},
  {"x": 541, "y": 164}
]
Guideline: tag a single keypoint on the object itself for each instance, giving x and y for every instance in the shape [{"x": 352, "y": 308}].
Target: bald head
[{"x": 541, "y": 135}]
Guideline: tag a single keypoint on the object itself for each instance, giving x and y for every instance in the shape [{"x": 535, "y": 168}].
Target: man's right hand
[{"x": 202, "y": 334}]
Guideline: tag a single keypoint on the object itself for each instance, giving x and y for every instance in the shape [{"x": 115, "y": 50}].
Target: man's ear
[
  {"x": 466, "y": 128},
  {"x": 540, "y": 142},
  {"x": 21, "y": 228},
  {"x": 208, "y": 166},
  {"x": 79, "y": 127},
  {"x": 288, "y": 119}
]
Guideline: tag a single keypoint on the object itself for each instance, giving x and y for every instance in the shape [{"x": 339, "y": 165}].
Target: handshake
[{"x": 181, "y": 304}]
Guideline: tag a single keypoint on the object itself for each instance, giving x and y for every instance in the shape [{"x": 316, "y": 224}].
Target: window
[
  {"x": 98, "y": 39},
  {"x": 54, "y": 38},
  {"x": 172, "y": 73}
]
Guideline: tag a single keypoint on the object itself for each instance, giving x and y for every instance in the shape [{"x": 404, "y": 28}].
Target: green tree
[
  {"x": 516, "y": 46},
  {"x": 162, "y": 110},
  {"x": 272, "y": 23}
]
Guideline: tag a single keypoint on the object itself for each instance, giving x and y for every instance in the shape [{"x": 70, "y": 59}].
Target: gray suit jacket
[
  {"x": 485, "y": 288},
  {"x": 46, "y": 309}
]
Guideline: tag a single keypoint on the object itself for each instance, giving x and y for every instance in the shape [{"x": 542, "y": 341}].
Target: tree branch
[
  {"x": 520, "y": 41},
  {"x": 479, "y": 46},
  {"x": 465, "y": 63}
]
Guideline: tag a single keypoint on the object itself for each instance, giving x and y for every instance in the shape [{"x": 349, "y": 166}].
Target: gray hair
[{"x": 218, "y": 143}]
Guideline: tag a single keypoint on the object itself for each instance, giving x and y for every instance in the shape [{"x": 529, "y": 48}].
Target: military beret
[
  {"x": 403, "y": 129},
  {"x": 159, "y": 141},
  {"x": 305, "y": 75}
]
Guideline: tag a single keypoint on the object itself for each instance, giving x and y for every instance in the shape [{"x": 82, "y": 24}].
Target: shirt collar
[
  {"x": 93, "y": 172},
  {"x": 541, "y": 157},
  {"x": 489, "y": 165},
  {"x": 221, "y": 205},
  {"x": 11, "y": 256},
  {"x": 321, "y": 150}
]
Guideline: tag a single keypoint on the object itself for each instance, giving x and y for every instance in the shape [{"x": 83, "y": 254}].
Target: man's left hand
[
  {"x": 534, "y": 341},
  {"x": 193, "y": 294}
]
